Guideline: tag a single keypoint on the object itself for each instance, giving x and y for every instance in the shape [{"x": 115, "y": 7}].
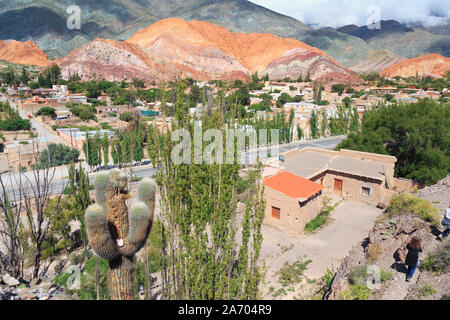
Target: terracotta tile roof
[{"x": 293, "y": 186}]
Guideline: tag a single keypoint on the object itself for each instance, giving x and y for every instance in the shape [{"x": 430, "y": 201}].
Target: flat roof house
[
  {"x": 291, "y": 202},
  {"x": 352, "y": 175}
]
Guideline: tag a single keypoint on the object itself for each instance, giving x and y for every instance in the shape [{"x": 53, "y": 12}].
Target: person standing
[
  {"x": 446, "y": 223},
  {"x": 412, "y": 258}
]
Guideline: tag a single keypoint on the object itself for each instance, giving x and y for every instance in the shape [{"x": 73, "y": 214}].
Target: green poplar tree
[
  {"x": 105, "y": 147},
  {"x": 314, "y": 126}
]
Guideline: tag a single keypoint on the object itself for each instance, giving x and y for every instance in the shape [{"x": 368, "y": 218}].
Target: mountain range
[
  {"x": 358, "y": 48},
  {"x": 174, "y": 47}
]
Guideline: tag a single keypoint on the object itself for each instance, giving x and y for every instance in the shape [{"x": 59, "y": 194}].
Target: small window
[
  {"x": 276, "y": 213},
  {"x": 366, "y": 191}
]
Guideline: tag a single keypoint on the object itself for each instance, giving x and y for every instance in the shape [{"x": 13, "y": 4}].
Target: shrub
[
  {"x": 427, "y": 290},
  {"x": 15, "y": 125},
  {"x": 46, "y": 111},
  {"x": 374, "y": 252},
  {"x": 322, "y": 218},
  {"x": 126, "y": 116},
  {"x": 407, "y": 203},
  {"x": 355, "y": 292},
  {"x": 438, "y": 261},
  {"x": 57, "y": 155},
  {"x": 359, "y": 275},
  {"x": 291, "y": 273}
]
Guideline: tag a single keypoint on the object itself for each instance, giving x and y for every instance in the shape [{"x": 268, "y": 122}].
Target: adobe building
[
  {"x": 351, "y": 175},
  {"x": 291, "y": 202},
  {"x": 24, "y": 156}
]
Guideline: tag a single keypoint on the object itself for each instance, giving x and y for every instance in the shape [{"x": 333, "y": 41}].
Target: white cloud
[{"x": 336, "y": 13}]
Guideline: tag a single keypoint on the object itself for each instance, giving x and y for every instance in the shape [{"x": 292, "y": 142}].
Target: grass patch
[
  {"x": 322, "y": 218},
  {"x": 279, "y": 292},
  {"x": 355, "y": 292},
  {"x": 291, "y": 273},
  {"x": 407, "y": 203},
  {"x": 426, "y": 291},
  {"x": 359, "y": 275}
]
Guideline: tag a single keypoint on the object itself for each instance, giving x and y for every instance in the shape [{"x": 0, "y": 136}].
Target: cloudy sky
[{"x": 336, "y": 13}]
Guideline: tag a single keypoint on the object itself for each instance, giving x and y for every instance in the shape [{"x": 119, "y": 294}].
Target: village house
[
  {"x": 291, "y": 201},
  {"x": 351, "y": 175},
  {"x": 24, "y": 155},
  {"x": 105, "y": 111},
  {"x": 296, "y": 182}
]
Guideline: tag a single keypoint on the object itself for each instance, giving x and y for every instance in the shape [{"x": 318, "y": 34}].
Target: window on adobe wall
[
  {"x": 276, "y": 213},
  {"x": 366, "y": 191}
]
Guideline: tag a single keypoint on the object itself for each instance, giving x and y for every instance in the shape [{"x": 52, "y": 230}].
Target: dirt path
[{"x": 326, "y": 248}]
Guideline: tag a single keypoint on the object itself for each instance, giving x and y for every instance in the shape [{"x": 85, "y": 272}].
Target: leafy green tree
[
  {"x": 126, "y": 116},
  {"x": 105, "y": 147},
  {"x": 339, "y": 88},
  {"x": 57, "y": 155},
  {"x": 323, "y": 123},
  {"x": 417, "y": 134},
  {"x": 46, "y": 111},
  {"x": 25, "y": 77},
  {"x": 299, "y": 133},
  {"x": 313, "y": 123},
  {"x": 202, "y": 258},
  {"x": 15, "y": 124}
]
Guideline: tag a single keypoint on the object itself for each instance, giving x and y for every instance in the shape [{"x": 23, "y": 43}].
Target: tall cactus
[{"x": 115, "y": 234}]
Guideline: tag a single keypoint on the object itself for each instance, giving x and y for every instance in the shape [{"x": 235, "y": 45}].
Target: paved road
[
  {"x": 61, "y": 173},
  {"x": 44, "y": 134},
  {"x": 325, "y": 143}
]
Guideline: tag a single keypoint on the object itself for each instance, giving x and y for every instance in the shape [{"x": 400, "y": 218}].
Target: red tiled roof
[{"x": 293, "y": 186}]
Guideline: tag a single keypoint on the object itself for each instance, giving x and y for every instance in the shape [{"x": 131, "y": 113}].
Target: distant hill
[
  {"x": 26, "y": 53},
  {"x": 377, "y": 61},
  {"x": 201, "y": 50},
  {"x": 386, "y": 28},
  {"x": 402, "y": 40},
  {"x": 433, "y": 65},
  {"x": 44, "y": 21},
  {"x": 347, "y": 28},
  {"x": 443, "y": 29}
]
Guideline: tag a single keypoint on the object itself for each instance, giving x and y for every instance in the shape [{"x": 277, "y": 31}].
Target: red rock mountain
[
  {"x": 433, "y": 65},
  {"x": 174, "y": 47},
  {"x": 22, "y": 53}
]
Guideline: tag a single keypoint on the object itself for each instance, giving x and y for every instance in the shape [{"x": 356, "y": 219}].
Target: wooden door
[{"x": 338, "y": 187}]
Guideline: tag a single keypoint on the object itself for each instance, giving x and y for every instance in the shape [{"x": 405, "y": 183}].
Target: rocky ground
[
  {"x": 39, "y": 289},
  {"x": 381, "y": 249}
]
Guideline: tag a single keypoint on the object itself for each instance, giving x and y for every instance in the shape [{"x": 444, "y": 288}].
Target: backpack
[{"x": 446, "y": 222}]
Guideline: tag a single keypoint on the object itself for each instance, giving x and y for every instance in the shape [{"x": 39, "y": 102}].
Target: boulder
[{"x": 10, "y": 281}]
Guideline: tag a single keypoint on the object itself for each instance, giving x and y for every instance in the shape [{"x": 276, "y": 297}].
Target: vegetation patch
[
  {"x": 355, "y": 292},
  {"x": 438, "y": 261},
  {"x": 407, "y": 203},
  {"x": 291, "y": 273},
  {"x": 417, "y": 134},
  {"x": 374, "y": 252},
  {"x": 426, "y": 291},
  {"x": 322, "y": 218}
]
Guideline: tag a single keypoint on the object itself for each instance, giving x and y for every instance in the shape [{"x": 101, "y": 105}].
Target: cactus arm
[
  {"x": 146, "y": 194},
  {"x": 101, "y": 187},
  {"x": 98, "y": 233},
  {"x": 139, "y": 228}
]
